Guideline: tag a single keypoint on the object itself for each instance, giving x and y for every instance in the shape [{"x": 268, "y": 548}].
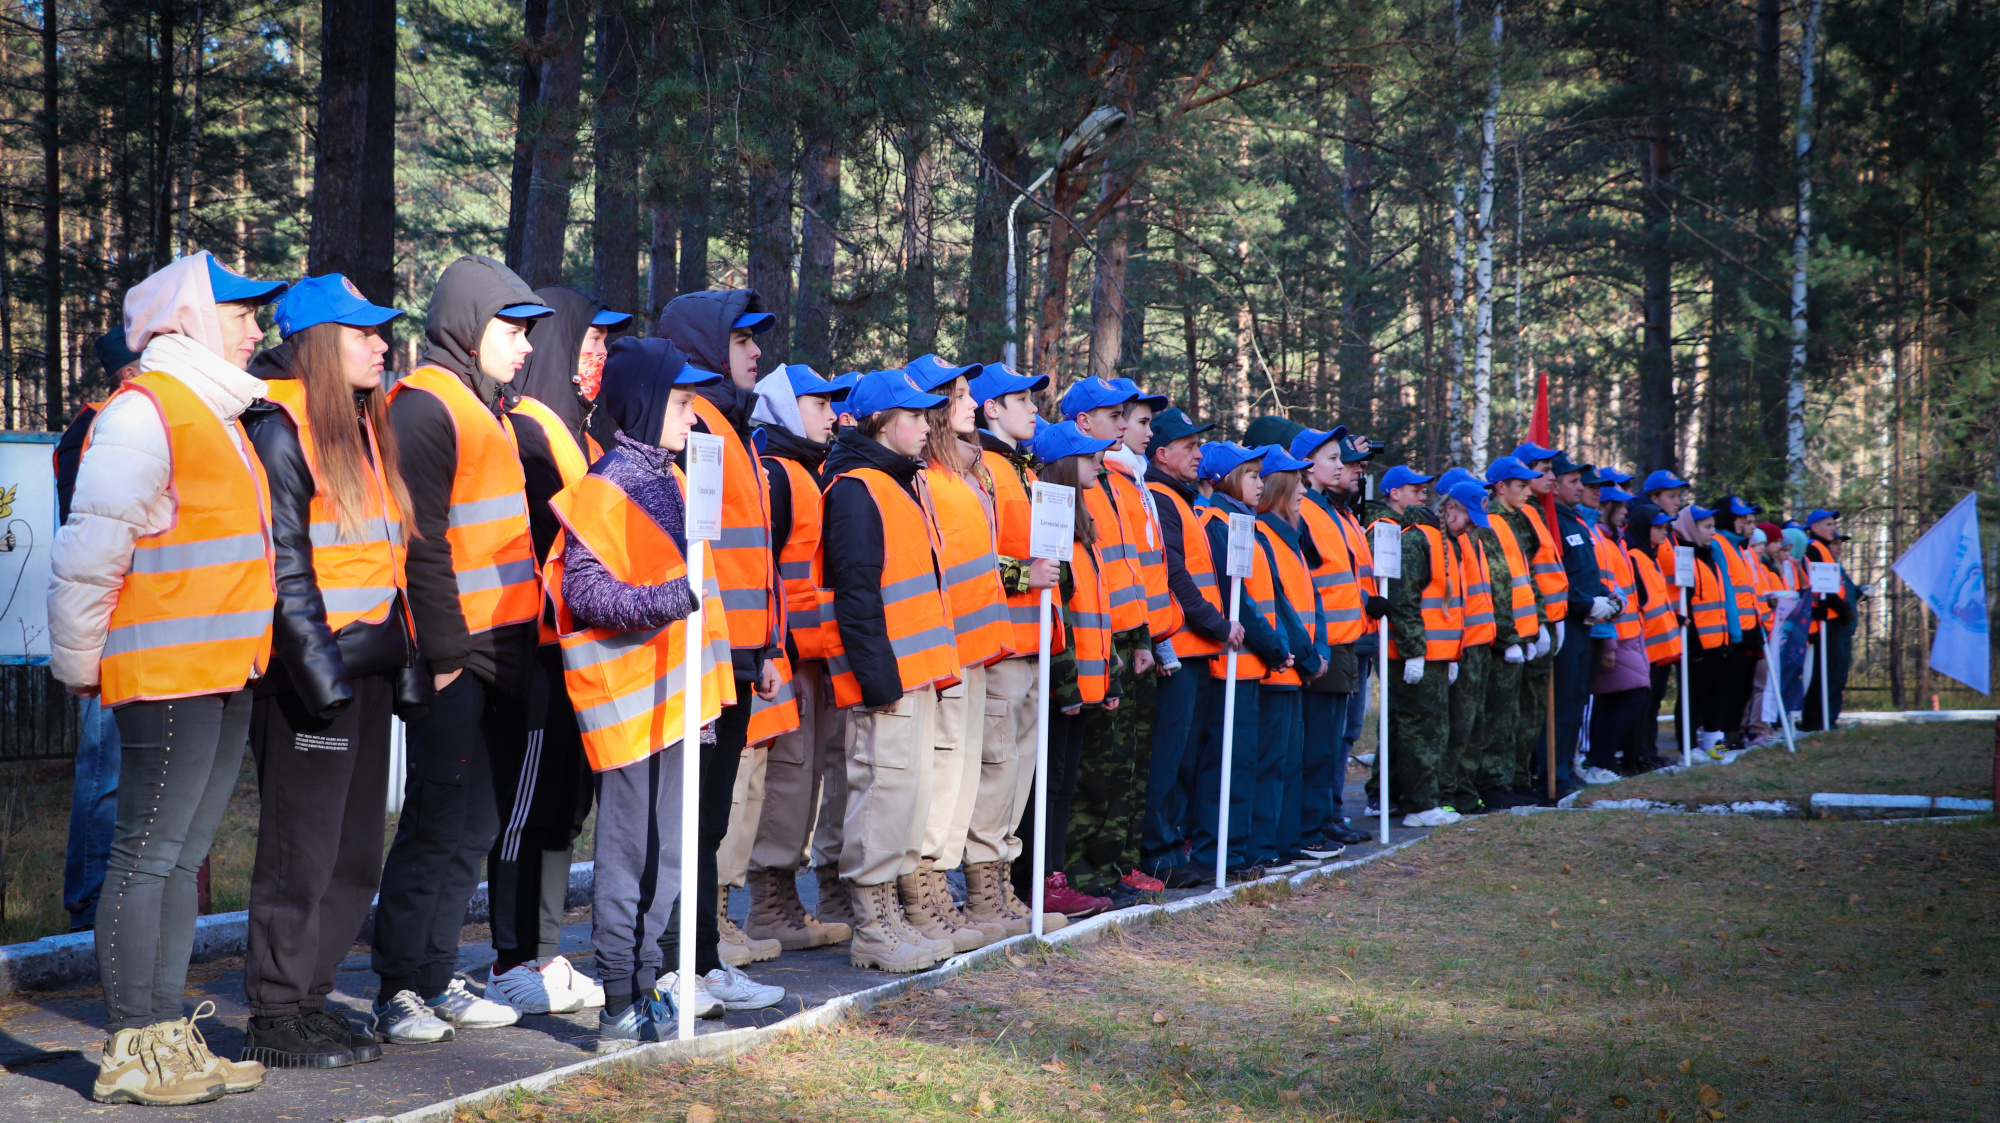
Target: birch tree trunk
[
  {"x": 1795, "y": 397},
  {"x": 1482, "y": 322}
]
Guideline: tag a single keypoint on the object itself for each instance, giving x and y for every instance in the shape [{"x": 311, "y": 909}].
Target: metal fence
[{"x": 39, "y": 720}]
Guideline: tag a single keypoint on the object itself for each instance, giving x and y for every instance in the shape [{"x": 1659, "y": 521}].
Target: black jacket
[
  {"x": 783, "y": 444},
  {"x": 1202, "y": 617},
  {"x": 320, "y": 666},
  {"x": 1579, "y": 554},
  {"x": 852, "y": 543},
  {"x": 69, "y": 458}
]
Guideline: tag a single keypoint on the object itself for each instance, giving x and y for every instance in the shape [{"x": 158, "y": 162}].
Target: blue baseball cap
[
  {"x": 932, "y": 372},
  {"x": 1612, "y": 493},
  {"x": 1508, "y": 468},
  {"x": 1614, "y": 476},
  {"x": 1700, "y": 512},
  {"x": 997, "y": 380},
  {"x": 849, "y": 380},
  {"x": 1452, "y": 477},
  {"x": 1527, "y": 452},
  {"x": 1276, "y": 459},
  {"x": 755, "y": 321},
  {"x": 1661, "y": 518},
  {"x": 1402, "y": 476},
  {"x": 1053, "y": 442},
  {"x": 1171, "y": 424},
  {"x": 1308, "y": 441},
  {"x": 226, "y": 285},
  {"x": 331, "y": 299},
  {"x": 1819, "y": 513},
  {"x": 525, "y": 311},
  {"x": 1086, "y": 394},
  {"x": 1157, "y": 401},
  {"x": 606, "y": 318},
  {"x": 1737, "y": 507},
  {"x": 1472, "y": 497},
  {"x": 1662, "y": 480},
  {"x": 889, "y": 389},
  {"x": 806, "y": 383},
  {"x": 1219, "y": 458}
]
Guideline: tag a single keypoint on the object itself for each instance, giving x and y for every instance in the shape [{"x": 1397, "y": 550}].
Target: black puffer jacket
[
  {"x": 318, "y": 665},
  {"x": 852, "y": 544}
]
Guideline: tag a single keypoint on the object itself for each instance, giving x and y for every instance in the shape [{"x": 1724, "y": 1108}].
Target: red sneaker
[
  {"x": 1057, "y": 896},
  {"x": 1144, "y": 883}
]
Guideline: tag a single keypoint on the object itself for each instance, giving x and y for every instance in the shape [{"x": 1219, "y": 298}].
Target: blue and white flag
[{"x": 1943, "y": 568}]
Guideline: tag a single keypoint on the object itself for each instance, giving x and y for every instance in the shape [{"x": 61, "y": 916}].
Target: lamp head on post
[{"x": 1086, "y": 140}]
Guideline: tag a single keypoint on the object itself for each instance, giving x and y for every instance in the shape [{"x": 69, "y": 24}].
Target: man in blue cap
[
  {"x": 1419, "y": 685},
  {"x": 1513, "y": 485},
  {"x": 1838, "y": 615},
  {"x": 1730, "y": 546},
  {"x": 1342, "y": 494},
  {"x": 1487, "y": 736},
  {"x": 1589, "y": 605}
]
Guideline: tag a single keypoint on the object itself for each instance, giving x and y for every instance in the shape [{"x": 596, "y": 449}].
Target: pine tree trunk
[
  {"x": 354, "y": 161},
  {"x": 662, "y": 258},
  {"x": 1482, "y": 311},
  {"x": 1658, "y": 444},
  {"x": 53, "y": 416},
  {"x": 1107, "y": 299},
  {"x": 986, "y": 284},
  {"x": 159, "y": 227},
  {"x": 1795, "y": 398},
  {"x": 545, "y": 229},
  {"x": 770, "y": 237},
  {"x": 614, "y": 235},
  {"x": 919, "y": 261},
  {"x": 535, "y": 24},
  {"x": 812, "y": 335},
  {"x": 1357, "y": 340}
]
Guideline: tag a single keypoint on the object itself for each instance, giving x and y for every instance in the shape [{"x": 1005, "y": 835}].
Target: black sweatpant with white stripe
[{"x": 542, "y": 786}]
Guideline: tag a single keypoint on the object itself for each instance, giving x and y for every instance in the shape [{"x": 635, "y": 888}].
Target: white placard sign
[
  {"x": 1825, "y": 576},
  {"x": 1387, "y": 546},
  {"x": 27, "y": 529},
  {"x": 1242, "y": 539},
  {"x": 704, "y": 476},
  {"x": 1052, "y": 526},
  {"x": 1684, "y": 566}
]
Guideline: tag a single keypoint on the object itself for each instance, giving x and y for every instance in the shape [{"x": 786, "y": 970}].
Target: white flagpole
[
  {"x": 1825, "y": 699},
  {"x": 1042, "y": 767},
  {"x": 1228, "y": 739},
  {"x": 1382, "y": 718},
  {"x": 1687, "y": 716},
  {"x": 691, "y": 677}
]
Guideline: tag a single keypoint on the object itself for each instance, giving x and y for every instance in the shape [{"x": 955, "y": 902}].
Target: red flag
[{"x": 1538, "y": 432}]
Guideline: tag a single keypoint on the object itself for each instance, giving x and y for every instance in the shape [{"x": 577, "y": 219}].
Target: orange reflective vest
[
  {"x": 1259, "y": 595},
  {"x": 1444, "y": 618},
  {"x": 1013, "y": 518},
  {"x": 1358, "y": 549},
  {"x": 1124, "y": 584},
  {"x": 1294, "y": 583},
  {"x": 1521, "y": 587},
  {"x": 492, "y": 555},
  {"x": 1616, "y": 571},
  {"x": 779, "y": 716},
  {"x": 1142, "y": 529},
  {"x": 800, "y": 562},
  {"x": 1547, "y": 564},
  {"x": 912, "y": 603},
  {"x": 973, "y": 595},
  {"x": 743, "y": 554},
  {"x": 193, "y": 615},
  {"x": 629, "y": 687},
  {"x": 1089, "y": 614},
  {"x": 1743, "y": 582},
  {"x": 1475, "y": 591},
  {"x": 1341, "y": 599},
  {"x": 1200, "y": 562},
  {"x": 358, "y": 579},
  {"x": 571, "y": 464},
  {"x": 1660, "y": 618},
  {"x": 1709, "y": 606}
]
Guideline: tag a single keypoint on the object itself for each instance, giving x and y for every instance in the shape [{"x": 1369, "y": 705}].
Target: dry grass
[
  {"x": 1561, "y": 967},
  {"x": 1949, "y": 758}
]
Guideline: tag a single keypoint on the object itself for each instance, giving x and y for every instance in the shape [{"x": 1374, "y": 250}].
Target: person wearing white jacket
[{"x": 160, "y": 596}]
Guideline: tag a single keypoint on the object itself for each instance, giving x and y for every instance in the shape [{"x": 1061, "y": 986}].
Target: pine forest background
[{"x": 1385, "y": 213}]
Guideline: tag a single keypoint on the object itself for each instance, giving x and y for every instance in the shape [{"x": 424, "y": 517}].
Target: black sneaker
[
  {"x": 1348, "y": 834},
  {"x": 336, "y": 1028},
  {"x": 1244, "y": 873},
  {"x": 291, "y": 1041},
  {"x": 1186, "y": 876},
  {"x": 1322, "y": 849}
]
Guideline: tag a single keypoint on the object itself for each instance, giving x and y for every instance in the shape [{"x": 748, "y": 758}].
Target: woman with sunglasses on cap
[
  {"x": 345, "y": 659},
  {"x": 160, "y": 597}
]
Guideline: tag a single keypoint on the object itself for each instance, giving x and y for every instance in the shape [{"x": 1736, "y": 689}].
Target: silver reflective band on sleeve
[
  {"x": 636, "y": 704},
  {"x": 487, "y": 510},
  {"x": 379, "y": 530},
  {"x": 150, "y": 634},
  {"x": 363, "y": 600},
  {"x": 743, "y": 538},
  {"x": 482, "y": 578},
  {"x": 995, "y": 613},
  {"x": 970, "y": 568},
  {"x": 194, "y": 555},
  {"x": 796, "y": 570}
]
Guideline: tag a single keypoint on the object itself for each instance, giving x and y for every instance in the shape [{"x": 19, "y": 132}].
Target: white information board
[
  {"x": 27, "y": 530},
  {"x": 704, "y": 476},
  {"x": 1052, "y": 521},
  {"x": 1387, "y": 547},
  {"x": 1242, "y": 540},
  {"x": 1825, "y": 576},
  {"x": 1684, "y": 566}
]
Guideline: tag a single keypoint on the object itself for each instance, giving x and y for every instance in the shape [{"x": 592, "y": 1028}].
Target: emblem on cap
[
  {"x": 351, "y": 290},
  {"x": 912, "y": 382}
]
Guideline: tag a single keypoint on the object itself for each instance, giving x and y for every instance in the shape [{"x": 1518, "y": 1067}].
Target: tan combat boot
[
  {"x": 143, "y": 1066},
  {"x": 836, "y": 905},
  {"x": 733, "y": 945},
  {"x": 1051, "y": 921},
  {"x": 985, "y": 904},
  {"x": 235, "y": 1076},
  {"x": 882, "y": 940},
  {"x": 920, "y": 909},
  {"x": 776, "y": 913},
  {"x": 952, "y": 914}
]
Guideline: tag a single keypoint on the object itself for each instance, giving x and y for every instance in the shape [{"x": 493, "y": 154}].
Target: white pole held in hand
[
  {"x": 704, "y": 524},
  {"x": 1051, "y": 537},
  {"x": 1387, "y": 549},
  {"x": 1239, "y": 564},
  {"x": 1684, "y": 578}
]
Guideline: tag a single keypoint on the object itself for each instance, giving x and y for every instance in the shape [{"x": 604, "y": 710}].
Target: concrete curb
[
  {"x": 734, "y": 1043},
  {"x": 56, "y": 962},
  {"x": 1876, "y": 808}
]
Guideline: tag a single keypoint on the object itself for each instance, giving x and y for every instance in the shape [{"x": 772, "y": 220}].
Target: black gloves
[{"x": 1378, "y": 607}]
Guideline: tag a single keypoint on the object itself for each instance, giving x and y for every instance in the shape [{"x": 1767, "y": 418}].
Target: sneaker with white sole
[
  {"x": 645, "y": 1021},
  {"x": 739, "y": 991},
  {"x": 556, "y": 987},
  {"x": 1595, "y": 775},
  {"x": 668, "y": 991},
  {"x": 587, "y": 992},
  {"x": 466, "y": 1010},
  {"x": 406, "y": 1020},
  {"x": 1435, "y": 817}
]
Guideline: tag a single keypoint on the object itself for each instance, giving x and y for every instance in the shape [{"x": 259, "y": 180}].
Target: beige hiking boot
[
  {"x": 142, "y": 1066},
  {"x": 920, "y": 909},
  {"x": 776, "y": 913},
  {"x": 985, "y": 905},
  {"x": 733, "y": 945},
  {"x": 236, "y": 1076},
  {"x": 882, "y": 939},
  {"x": 1051, "y": 921},
  {"x": 952, "y": 914},
  {"x": 836, "y": 904}
]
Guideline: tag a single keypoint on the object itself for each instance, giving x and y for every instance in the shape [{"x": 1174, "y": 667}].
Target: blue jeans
[
  {"x": 93, "y": 815},
  {"x": 1175, "y": 735},
  {"x": 1357, "y": 707},
  {"x": 1242, "y": 776},
  {"x": 1274, "y": 827},
  {"x": 1323, "y": 763}
]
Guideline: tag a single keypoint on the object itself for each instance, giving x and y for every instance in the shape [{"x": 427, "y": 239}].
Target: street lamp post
[{"x": 1087, "y": 140}]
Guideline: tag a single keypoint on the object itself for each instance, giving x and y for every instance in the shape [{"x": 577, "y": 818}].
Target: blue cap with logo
[
  {"x": 1471, "y": 496},
  {"x": 1527, "y": 452},
  {"x": 1614, "y": 494},
  {"x": 226, "y": 285},
  {"x": 1508, "y": 468},
  {"x": 1219, "y": 458},
  {"x": 1452, "y": 477},
  {"x": 1737, "y": 507},
  {"x": 997, "y": 380},
  {"x": 1308, "y": 441},
  {"x": 329, "y": 299},
  {"x": 1086, "y": 394},
  {"x": 1157, "y": 401},
  {"x": 889, "y": 389},
  {"x": 933, "y": 373},
  {"x": 1402, "y": 476},
  {"x": 1170, "y": 425},
  {"x": 1819, "y": 513},
  {"x": 1662, "y": 480},
  {"x": 1053, "y": 442},
  {"x": 1276, "y": 459},
  {"x": 806, "y": 383}
]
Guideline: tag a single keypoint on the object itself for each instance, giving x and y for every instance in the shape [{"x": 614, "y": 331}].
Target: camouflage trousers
[
  {"x": 1109, "y": 816},
  {"x": 1419, "y": 727},
  {"x": 1532, "y": 721},
  {"x": 1458, "y": 770},
  {"x": 1489, "y": 759}
]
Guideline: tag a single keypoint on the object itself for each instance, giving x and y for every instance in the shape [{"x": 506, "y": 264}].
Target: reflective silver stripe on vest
[
  {"x": 1343, "y": 615},
  {"x": 1479, "y": 588},
  {"x": 1126, "y": 595},
  {"x": 636, "y": 704},
  {"x": 481, "y": 578},
  {"x": 589, "y": 653},
  {"x": 1120, "y": 551},
  {"x": 1152, "y": 557},
  {"x": 488, "y": 510},
  {"x": 970, "y": 568},
  {"x": 1264, "y": 607},
  {"x": 804, "y": 619},
  {"x": 734, "y": 600},
  {"x": 379, "y": 530},
  {"x": 836, "y": 664},
  {"x": 1479, "y": 618},
  {"x": 1091, "y": 667},
  {"x": 796, "y": 570},
  {"x": 785, "y": 694},
  {"x": 1545, "y": 567},
  {"x": 1155, "y": 602},
  {"x": 1087, "y": 619},
  {"x": 1202, "y": 580},
  {"x": 923, "y": 641},
  {"x": 743, "y": 538},
  {"x": 362, "y": 600},
  {"x": 995, "y": 613},
  {"x": 194, "y": 555},
  {"x": 1435, "y": 602},
  {"x": 1030, "y": 614},
  {"x": 1435, "y": 635},
  {"x": 126, "y": 638},
  {"x": 896, "y": 592},
  {"x": 1658, "y": 610}
]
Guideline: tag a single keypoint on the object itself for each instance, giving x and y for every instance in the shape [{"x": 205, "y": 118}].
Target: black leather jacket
[{"x": 319, "y": 666}]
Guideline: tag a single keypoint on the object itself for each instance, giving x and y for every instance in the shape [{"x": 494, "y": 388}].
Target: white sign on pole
[
  {"x": 1684, "y": 566},
  {"x": 1387, "y": 546},
  {"x": 704, "y": 476},
  {"x": 27, "y": 530},
  {"x": 1825, "y": 576},
  {"x": 1052, "y": 524},
  {"x": 1242, "y": 539}
]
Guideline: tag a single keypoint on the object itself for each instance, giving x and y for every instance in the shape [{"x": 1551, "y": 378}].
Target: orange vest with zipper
[
  {"x": 193, "y": 615},
  {"x": 912, "y": 603},
  {"x": 1142, "y": 529},
  {"x": 357, "y": 579},
  {"x": 1295, "y": 585},
  {"x": 1200, "y": 569},
  {"x": 1616, "y": 570},
  {"x": 1743, "y": 582},
  {"x": 742, "y": 556},
  {"x": 1476, "y": 591},
  {"x": 1090, "y": 623},
  {"x": 1547, "y": 564},
  {"x": 1521, "y": 585},
  {"x": 629, "y": 687},
  {"x": 1339, "y": 588},
  {"x": 1260, "y": 595},
  {"x": 487, "y": 526},
  {"x": 1708, "y": 605},
  {"x": 799, "y": 563},
  {"x": 1444, "y": 619},
  {"x": 1013, "y": 517},
  {"x": 972, "y": 592},
  {"x": 1660, "y": 619},
  {"x": 1123, "y": 583}
]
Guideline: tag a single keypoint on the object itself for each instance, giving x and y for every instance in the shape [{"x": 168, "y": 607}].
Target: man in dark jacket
[{"x": 1589, "y": 603}]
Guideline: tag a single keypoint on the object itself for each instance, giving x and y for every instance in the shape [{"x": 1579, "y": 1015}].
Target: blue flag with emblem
[{"x": 1943, "y": 568}]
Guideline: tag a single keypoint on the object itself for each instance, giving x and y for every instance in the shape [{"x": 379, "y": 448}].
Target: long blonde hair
[
  {"x": 334, "y": 411},
  {"x": 1281, "y": 493}
]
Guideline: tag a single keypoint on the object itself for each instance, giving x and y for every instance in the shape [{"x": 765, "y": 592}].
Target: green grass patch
[{"x": 1948, "y": 758}]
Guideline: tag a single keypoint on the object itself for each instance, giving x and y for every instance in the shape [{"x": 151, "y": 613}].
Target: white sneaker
[
  {"x": 706, "y": 1005},
  {"x": 739, "y": 991},
  {"x": 556, "y": 987},
  {"x": 586, "y": 991},
  {"x": 466, "y": 1010},
  {"x": 1595, "y": 775},
  {"x": 406, "y": 1020},
  {"x": 1435, "y": 817}
]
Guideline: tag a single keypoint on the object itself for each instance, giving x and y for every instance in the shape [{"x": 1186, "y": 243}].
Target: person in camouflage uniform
[
  {"x": 1104, "y": 825},
  {"x": 1538, "y": 664},
  {"x": 1489, "y": 759},
  {"x": 1420, "y": 711},
  {"x": 1458, "y": 775}
]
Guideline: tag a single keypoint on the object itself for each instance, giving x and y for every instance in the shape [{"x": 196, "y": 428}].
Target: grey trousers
[
  {"x": 638, "y": 871},
  {"x": 178, "y": 764},
  {"x": 804, "y": 771}
]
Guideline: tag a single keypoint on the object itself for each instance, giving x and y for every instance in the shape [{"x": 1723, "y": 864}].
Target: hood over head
[
  {"x": 469, "y": 293},
  {"x": 699, "y": 324},
  {"x": 549, "y": 375},
  {"x": 175, "y": 300},
  {"x": 638, "y": 377},
  {"x": 776, "y": 404}
]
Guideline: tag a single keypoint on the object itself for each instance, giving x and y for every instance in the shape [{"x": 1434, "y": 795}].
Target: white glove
[
  {"x": 1559, "y": 637},
  {"x": 1541, "y": 645},
  {"x": 1601, "y": 609},
  {"x": 1451, "y": 673},
  {"x": 1413, "y": 671},
  {"x": 1514, "y": 654}
]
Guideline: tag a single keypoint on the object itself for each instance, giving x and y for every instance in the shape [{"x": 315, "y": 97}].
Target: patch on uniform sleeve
[
  {"x": 308, "y": 742},
  {"x": 1573, "y": 539}
]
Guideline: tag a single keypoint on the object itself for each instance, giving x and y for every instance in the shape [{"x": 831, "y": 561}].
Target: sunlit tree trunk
[
  {"x": 1482, "y": 314},
  {"x": 1795, "y": 398}
]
